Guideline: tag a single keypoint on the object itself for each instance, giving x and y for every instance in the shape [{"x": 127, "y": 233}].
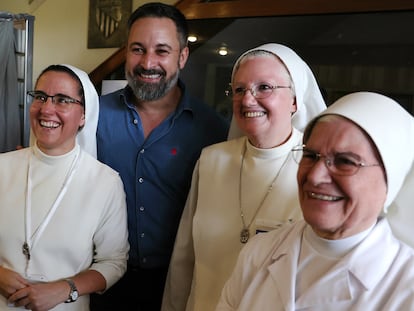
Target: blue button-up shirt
[{"x": 156, "y": 171}]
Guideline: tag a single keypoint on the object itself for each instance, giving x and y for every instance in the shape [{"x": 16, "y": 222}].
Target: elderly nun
[
  {"x": 237, "y": 183},
  {"x": 343, "y": 256}
]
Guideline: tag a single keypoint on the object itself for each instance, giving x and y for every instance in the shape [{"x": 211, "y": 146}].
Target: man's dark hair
[{"x": 157, "y": 9}]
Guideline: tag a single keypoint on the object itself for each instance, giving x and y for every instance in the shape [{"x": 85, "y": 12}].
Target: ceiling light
[
  {"x": 223, "y": 51},
  {"x": 192, "y": 38}
]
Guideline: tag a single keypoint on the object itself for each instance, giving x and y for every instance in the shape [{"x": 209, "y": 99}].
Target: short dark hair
[{"x": 158, "y": 9}]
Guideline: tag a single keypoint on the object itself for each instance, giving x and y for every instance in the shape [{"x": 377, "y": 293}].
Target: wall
[{"x": 61, "y": 32}]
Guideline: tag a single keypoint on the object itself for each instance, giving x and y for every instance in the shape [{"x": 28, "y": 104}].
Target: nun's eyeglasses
[
  {"x": 341, "y": 164},
  {"x": 61, "y": 102},
  {"x": 258, "y": 91}
]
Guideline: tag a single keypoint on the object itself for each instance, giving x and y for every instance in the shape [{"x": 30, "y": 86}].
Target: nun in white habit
[
  {"x": 86, "y": 137},
  {"x": 63, "y": 226},
  {"x": 343, "y": 255},
  {"x": 245, "y": 185}
]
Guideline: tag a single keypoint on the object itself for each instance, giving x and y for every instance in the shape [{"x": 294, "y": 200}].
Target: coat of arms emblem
[
  {"x": 108, "y": 23},
  {"x": 108, "y": 15}
]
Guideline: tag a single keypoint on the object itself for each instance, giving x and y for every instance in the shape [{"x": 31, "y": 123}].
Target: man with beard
[{"x": 152, "y": 133}]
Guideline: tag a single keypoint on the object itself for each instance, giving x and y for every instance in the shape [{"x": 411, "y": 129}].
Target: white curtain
[{"x": 10, "y": 127}]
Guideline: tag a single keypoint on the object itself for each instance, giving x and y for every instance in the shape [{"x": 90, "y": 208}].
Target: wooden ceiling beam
[{"x": 195, "y": 9}]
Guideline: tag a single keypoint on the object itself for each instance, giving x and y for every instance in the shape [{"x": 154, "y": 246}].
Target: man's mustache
[{"x": 142, "y": 71}]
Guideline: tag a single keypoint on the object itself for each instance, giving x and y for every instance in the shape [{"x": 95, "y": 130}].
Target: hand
[
  {"x": 10, "y": 282},
  {"x": 41, "y": 296}
]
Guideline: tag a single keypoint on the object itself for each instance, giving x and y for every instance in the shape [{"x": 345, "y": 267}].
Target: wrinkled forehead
[{"x": 343, "y": 135}]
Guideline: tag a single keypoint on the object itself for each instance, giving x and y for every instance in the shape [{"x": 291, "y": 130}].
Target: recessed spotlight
[
  {"x": 192, "y": 38},
  {"x": 223, "y": 51}
]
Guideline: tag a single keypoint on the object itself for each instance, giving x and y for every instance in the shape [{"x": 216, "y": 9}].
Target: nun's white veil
[
  {"x": 87, "y": 135},
  {"x": 309, "y": 99}
]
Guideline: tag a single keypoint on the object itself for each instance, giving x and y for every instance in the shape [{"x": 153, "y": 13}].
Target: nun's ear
[{"x": 294, "y": 107}]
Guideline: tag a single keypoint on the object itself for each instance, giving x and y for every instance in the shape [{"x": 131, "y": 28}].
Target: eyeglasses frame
[
  {"x": 253, "y": 92},
  {"x": 328, "y": 161},
  {"x": 71, "y": 100}
]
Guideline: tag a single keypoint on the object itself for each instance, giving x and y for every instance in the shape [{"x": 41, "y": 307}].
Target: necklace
[
  {"x": 245, "y": 233},
  {"x": 31, "y": 239}
]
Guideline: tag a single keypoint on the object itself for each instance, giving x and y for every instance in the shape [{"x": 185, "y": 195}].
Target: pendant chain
[
  {"x": 31, "y": 239},
  {"x": 245, "y": 234}
]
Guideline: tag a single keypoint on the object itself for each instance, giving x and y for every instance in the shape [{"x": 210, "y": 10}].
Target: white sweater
[{"x": 91, "y": 218}]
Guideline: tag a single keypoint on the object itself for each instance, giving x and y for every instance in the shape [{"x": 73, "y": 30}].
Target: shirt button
[
  {"x": 135, "y": 121},
  {"x": 142, "y": 151},
  {"x": 144, "y": 260},
  {"x": 142, "y": 235},
  {"x": 140, "y": 180},
  {"x": 141, "y": 208}
]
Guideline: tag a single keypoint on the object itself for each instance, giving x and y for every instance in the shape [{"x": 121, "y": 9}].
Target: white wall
[{"x": 61, "y": 32}]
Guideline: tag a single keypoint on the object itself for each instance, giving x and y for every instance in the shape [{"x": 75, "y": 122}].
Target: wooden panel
[{"x": 194, "y": 9}]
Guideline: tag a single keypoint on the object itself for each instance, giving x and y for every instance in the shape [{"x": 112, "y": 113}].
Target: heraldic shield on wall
[{"x": 108, "y": 23}]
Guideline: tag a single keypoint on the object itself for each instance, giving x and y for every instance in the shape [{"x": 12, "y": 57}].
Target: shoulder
[
  {"x": 226, "y": 147},
  {"x": 112, "y": 95},
  {"x": 278, "y": 241},
  {"x": 111, "y": 100},
  {"x": 222, "y": 154},
  {"x": 97, "y": 171},
  {"x": 207, "y": 121},
  {"x": 278, "y": 235},
  {"x": 11, "y": 159},
  {"x": 15, "y": 154}
]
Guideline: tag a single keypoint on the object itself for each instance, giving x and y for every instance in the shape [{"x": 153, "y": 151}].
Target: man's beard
[{"x": 145, "y": 91}]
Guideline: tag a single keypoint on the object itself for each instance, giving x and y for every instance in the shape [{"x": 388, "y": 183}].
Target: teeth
[
  {"x": 254, "y": 114},
  {"x": 153, "y": 76},
  {"x": 49, "y": 124},
  {"x": 323, "y": 197}
]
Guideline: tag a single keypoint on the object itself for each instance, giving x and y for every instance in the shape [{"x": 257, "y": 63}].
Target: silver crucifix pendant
[
  {"x": 26, "y": 250},
  {"x": 244, "y": 235}
]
